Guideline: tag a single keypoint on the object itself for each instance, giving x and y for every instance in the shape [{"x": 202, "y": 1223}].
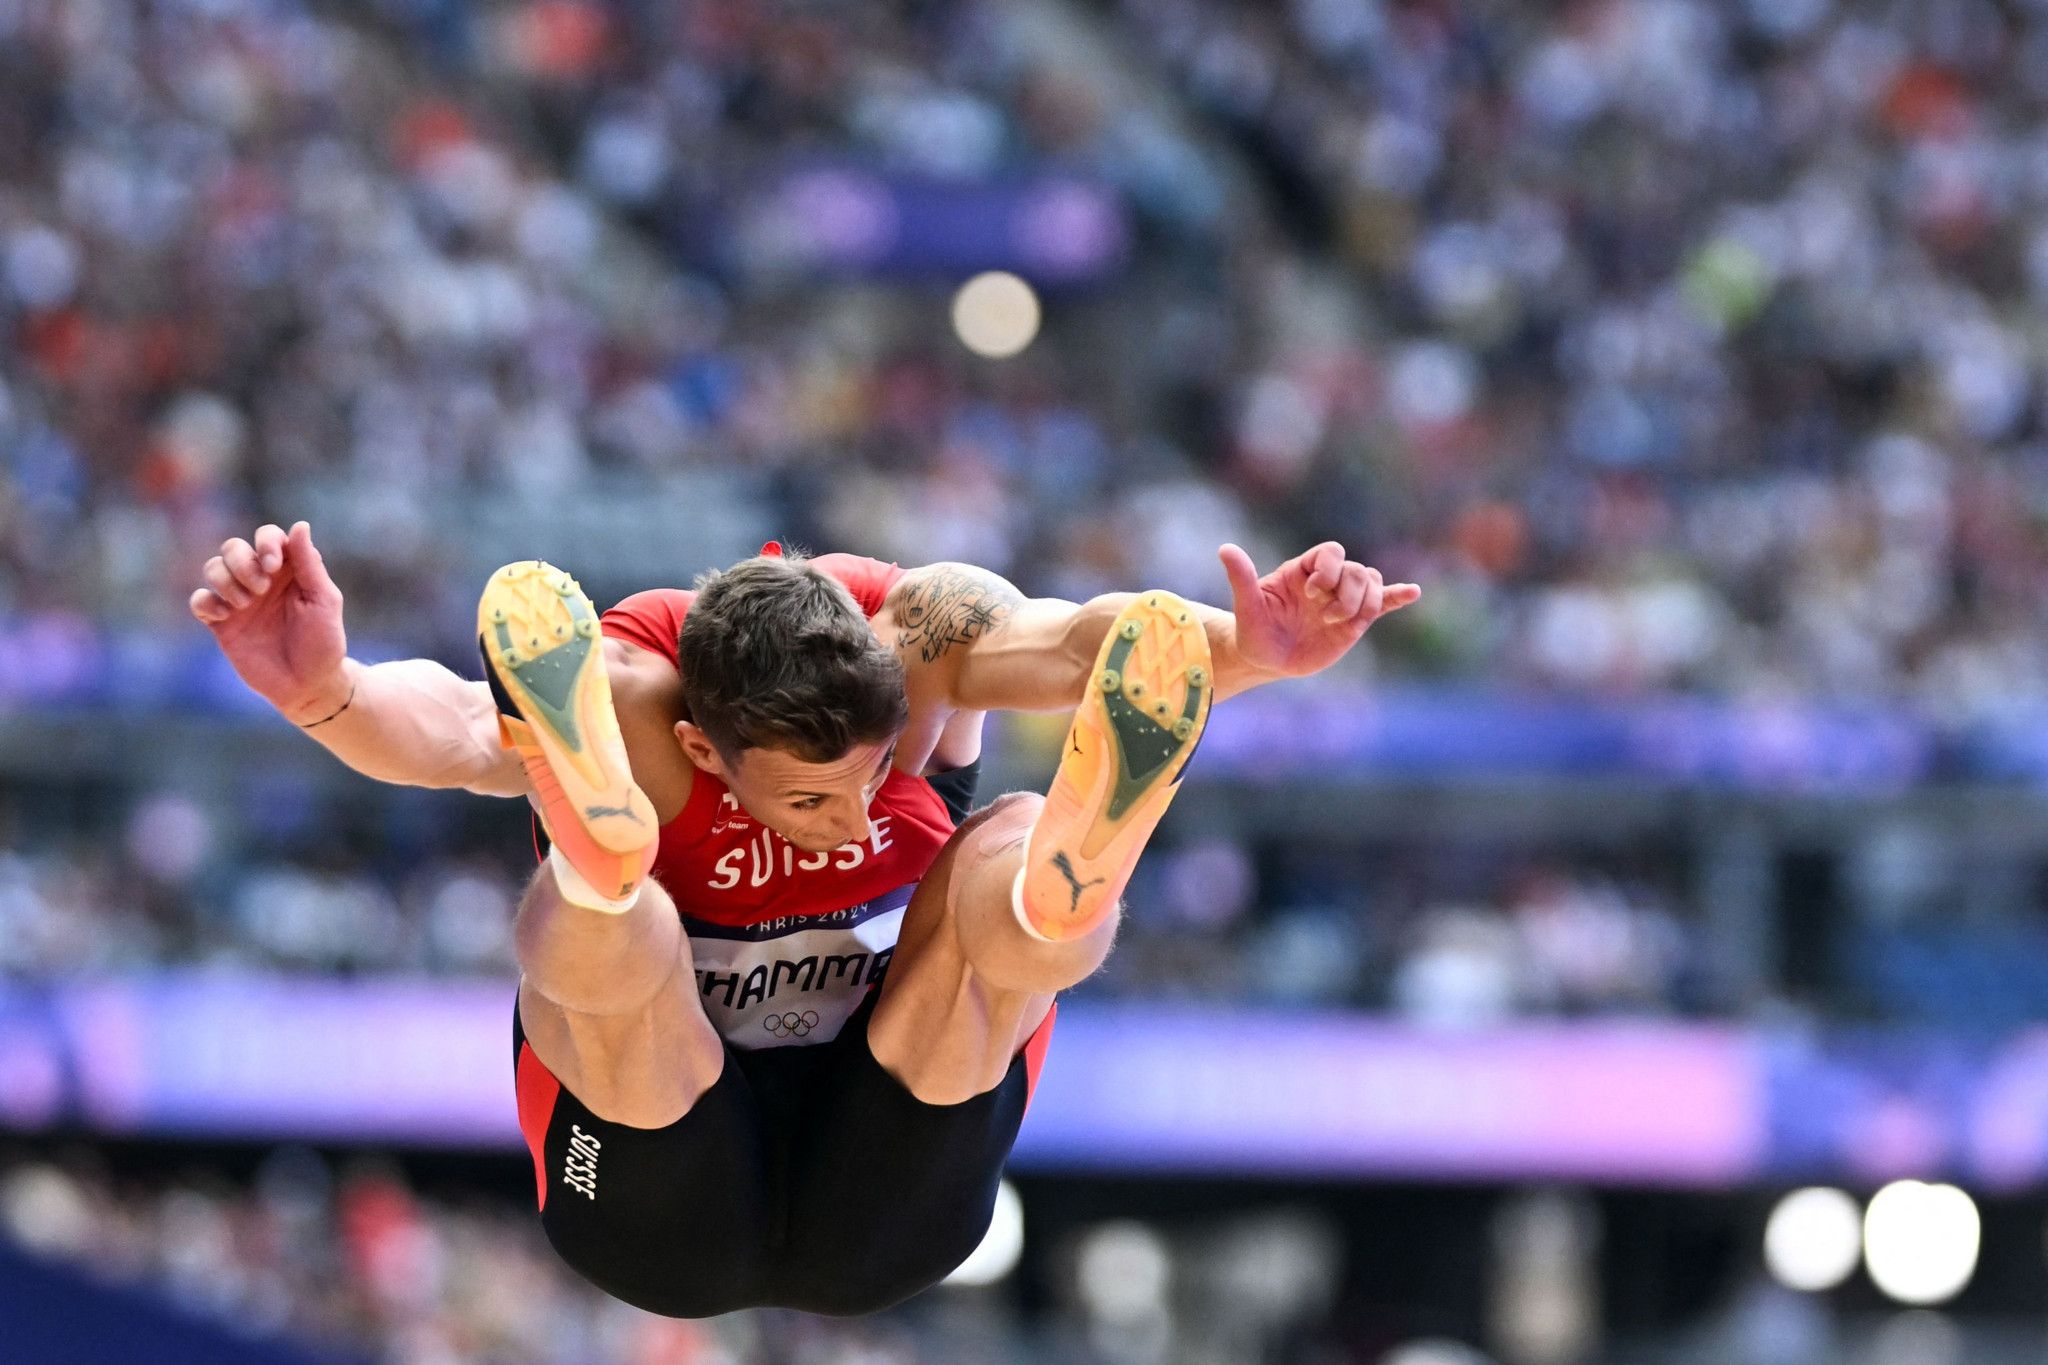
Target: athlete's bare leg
[
  {"x": 607, "y": 994},
  {"x": 610, "y": 1006},
  {"x": 968, "y": 987},
  {"x": 970, "y": 982}
]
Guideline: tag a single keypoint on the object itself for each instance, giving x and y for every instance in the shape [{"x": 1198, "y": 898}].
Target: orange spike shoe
[
  {"x": 544, "y": 659},
  {"x": 1148, "y": 700}
]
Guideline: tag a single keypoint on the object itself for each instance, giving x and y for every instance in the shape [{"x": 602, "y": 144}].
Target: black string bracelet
[{"x": 338, "y": 710}]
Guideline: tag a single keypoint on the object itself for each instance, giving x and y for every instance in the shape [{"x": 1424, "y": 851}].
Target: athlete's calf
[
  {"x": 609, "y": 1002},
  {"x": 969, "y": 985}
]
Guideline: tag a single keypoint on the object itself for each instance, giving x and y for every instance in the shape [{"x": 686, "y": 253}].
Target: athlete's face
[{"x": 816, "y": 806}]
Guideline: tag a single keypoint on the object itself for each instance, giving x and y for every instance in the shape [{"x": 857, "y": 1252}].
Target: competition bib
[{"x": 795, "y": 980}]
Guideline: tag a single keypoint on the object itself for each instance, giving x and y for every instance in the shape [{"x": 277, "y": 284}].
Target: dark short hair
[{"x": 776, "y": 654}]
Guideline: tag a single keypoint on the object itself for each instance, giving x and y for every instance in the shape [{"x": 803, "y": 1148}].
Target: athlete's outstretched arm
[
  {"x": 996, "y": 650},
  {"x": 277, "y": 616}
]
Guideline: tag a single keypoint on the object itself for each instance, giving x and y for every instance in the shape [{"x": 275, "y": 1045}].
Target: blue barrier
[{"x": 58, "y": 663}]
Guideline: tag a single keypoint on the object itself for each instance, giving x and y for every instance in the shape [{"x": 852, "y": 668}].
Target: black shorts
[{"x": 805, "y": 1177}]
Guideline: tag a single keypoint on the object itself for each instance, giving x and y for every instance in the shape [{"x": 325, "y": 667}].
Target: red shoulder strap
[
  {"x": 869, "y": 580},
  {"x": 652, "y": 620}
]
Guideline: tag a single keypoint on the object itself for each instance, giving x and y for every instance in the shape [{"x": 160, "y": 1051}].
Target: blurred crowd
[
  {"x": 379, "y": 1265},
  {"x": 1700, "y": 335},
  {"x": 253, "y": 254},
  {"x": 360, "y": 1261},
  {"x": 365, "y": 1259},
  {"x": 1440, "y": 939},
  {"x": 1673, "y": 344}
]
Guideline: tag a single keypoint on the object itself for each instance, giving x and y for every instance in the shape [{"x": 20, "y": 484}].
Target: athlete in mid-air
[{"x": 782, "y": 1002}]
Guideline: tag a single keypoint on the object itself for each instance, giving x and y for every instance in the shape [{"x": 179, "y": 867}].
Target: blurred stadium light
[
  {"x": 1123, "y": 1270},
  {"x": 996, "y": 315},
  {"x": 1814, "y": 1239},
  {"x": 1920, "y": 1241}
]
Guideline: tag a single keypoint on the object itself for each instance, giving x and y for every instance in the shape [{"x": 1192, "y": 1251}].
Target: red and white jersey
[{"x": 787, "y": 943}]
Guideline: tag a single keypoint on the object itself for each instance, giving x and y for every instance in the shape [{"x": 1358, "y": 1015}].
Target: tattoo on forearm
[{"x": 947, "y": 607}]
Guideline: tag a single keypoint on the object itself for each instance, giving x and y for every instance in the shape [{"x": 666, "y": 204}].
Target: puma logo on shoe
[
  {"x": 600, "y": 812},
  {"x": 1059, "y": 860}
]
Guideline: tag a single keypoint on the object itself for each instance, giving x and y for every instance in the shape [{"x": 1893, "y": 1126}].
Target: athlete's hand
[
  {"x": 1309, "y": 612},
  {"x": 277, "y": 616}
]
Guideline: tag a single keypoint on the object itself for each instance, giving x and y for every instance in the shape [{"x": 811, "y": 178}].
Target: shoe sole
[
  {"x": 545, "y": 655},
  {"x": 1147, "y": 705}
]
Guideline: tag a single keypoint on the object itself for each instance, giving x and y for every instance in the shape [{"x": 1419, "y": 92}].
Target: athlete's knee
[
  {"x": 593, "y": 961},
  {"x": 1001, "y": 823},
  {"x": 992, "y": 937},
  {"x": 989, "y": 845}
]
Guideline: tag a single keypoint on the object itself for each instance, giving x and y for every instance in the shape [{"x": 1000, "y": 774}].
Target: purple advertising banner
[
  {"x": 387, "y": 1061},
  {"x": 1139, "y": 1087},
  {"x": 1126, "y": 1087},
  {"x": 839, "y": 217}
]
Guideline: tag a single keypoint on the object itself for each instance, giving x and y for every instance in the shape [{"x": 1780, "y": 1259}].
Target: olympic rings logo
[{"x": 791, "y": 1025}]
